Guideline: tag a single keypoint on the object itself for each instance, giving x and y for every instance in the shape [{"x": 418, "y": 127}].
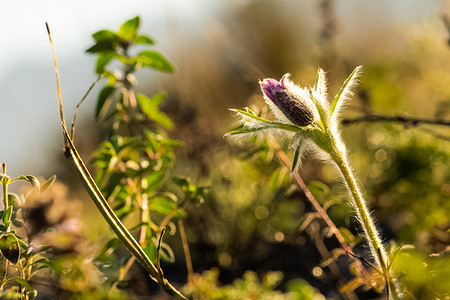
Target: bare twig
[
  {"x": 316, "y": 205},
  {"x": 187, "y": 253},
  {"x": 158, "y": 254},
  {"x": 72, "y": 132},
  {"x": 58, "y": 83},
  {"x": 407, "y": 121},
  {"x": 322, "y": 213}
]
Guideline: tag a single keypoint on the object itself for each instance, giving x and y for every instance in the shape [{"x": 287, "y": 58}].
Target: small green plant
[
  {"x": 134, "y": 162},
  {"x": 312, "y": 124},
  {"x": 20, "y": 259},
  {"x": 205, "y": 286}
]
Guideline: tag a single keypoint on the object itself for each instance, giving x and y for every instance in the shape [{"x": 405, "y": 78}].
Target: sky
[{"x": 31, "y": 137}]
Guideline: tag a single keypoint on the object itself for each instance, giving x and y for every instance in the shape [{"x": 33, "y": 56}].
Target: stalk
[
  {"x": 367, "y": 223},
  {"x": 114, "y": 222}
]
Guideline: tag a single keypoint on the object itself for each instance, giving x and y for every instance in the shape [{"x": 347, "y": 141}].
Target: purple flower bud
[{"x": 294, "y": 109}]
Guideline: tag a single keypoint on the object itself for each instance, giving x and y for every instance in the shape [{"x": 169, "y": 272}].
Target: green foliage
[
  {"x": 134, "y": 164},
  {"x": 9, "y": 244},
  {"x": 149, "y": 107},
  {"x": 192, "y": 193},
  {"x": 127, "y": 30},
  {"x": 408, "y": 177},
  {"x": 20, "y": 261},
  {"x": 424, "y": 276},
  {"x": 155, "y": 60},
  {"x": 111, "y": 45},
  {"x": 206, "y": 286},
  {"x": 251, "y": 195}
]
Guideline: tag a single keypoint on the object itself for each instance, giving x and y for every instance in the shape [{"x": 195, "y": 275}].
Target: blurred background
[
  {"x": 242, "y": 41},
  {"x": 220, "y": 49}
]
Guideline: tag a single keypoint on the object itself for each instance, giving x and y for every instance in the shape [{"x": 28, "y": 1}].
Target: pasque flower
[
  {"x": 291, "y": 105},
  {"x": 311, "y": 122},
  {"x": 303, "y": 115}
]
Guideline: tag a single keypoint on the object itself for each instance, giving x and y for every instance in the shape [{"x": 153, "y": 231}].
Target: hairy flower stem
[{"x": 367, "y": 223}]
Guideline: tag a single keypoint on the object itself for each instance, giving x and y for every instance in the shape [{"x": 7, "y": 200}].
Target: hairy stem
[{"x": 367, "y": 223}]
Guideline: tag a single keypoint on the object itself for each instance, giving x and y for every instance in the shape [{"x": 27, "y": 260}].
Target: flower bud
[{"x": 290, "y": 106}]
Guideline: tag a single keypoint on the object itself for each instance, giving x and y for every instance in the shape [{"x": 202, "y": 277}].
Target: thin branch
[
  {"x": 158, "y": 254},
  {"x": 407, "y": 121},
  {"x": 322, "y": 213},
  {"x": 317, "y": 207},
  {"x": 187, "y": 253},
  {"x": 366, "y": 262},
  {"x": 58, "y": 83},
  {"x": 72, "y": 132}
]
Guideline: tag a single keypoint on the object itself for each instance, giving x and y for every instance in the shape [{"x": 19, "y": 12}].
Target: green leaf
[
  {"x": 104, "y": 95},
  {"x": 155, "y": 60},
  {"x": 149, "y": 107},
  {"x": 105, "y": 35},
  {"x": 103, "y": 46},
  {"x": 300, "y": 289},
  {"x": 144, "y": 39},
  {"x": 192, "y": 193},
  {"x": 23, "y": 283},
  {"x": 23, "y": 245},
  {"x": 277, "y": 178},
  {"x": 6, "y": 218},
  {"x": 317, "y": 187},
  {"x": 344, "y": 88},
  {"x": 154, "y": 181},
  {"x": 13, "y": 199},
  {"x": 102, "y": 60},
  {"x": 31, "y": 180},
  {"x": 182, "y": 182},
  {"x": 48, "y": 183},
  {"x": 9, "y": 246},
  {"x": 266, "y": 123},
  {"x": 295, "y": 160},
  {"x": 164, "y": 205},
  {"x": 349, "y": 238},
  {"x": 127, "y": 31},
  {"x": 150, "y": 250},
  {"x": 246, "y": 130},
  {"x": 43, "y": 261},
  {"x": 34, "y": 182}
]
